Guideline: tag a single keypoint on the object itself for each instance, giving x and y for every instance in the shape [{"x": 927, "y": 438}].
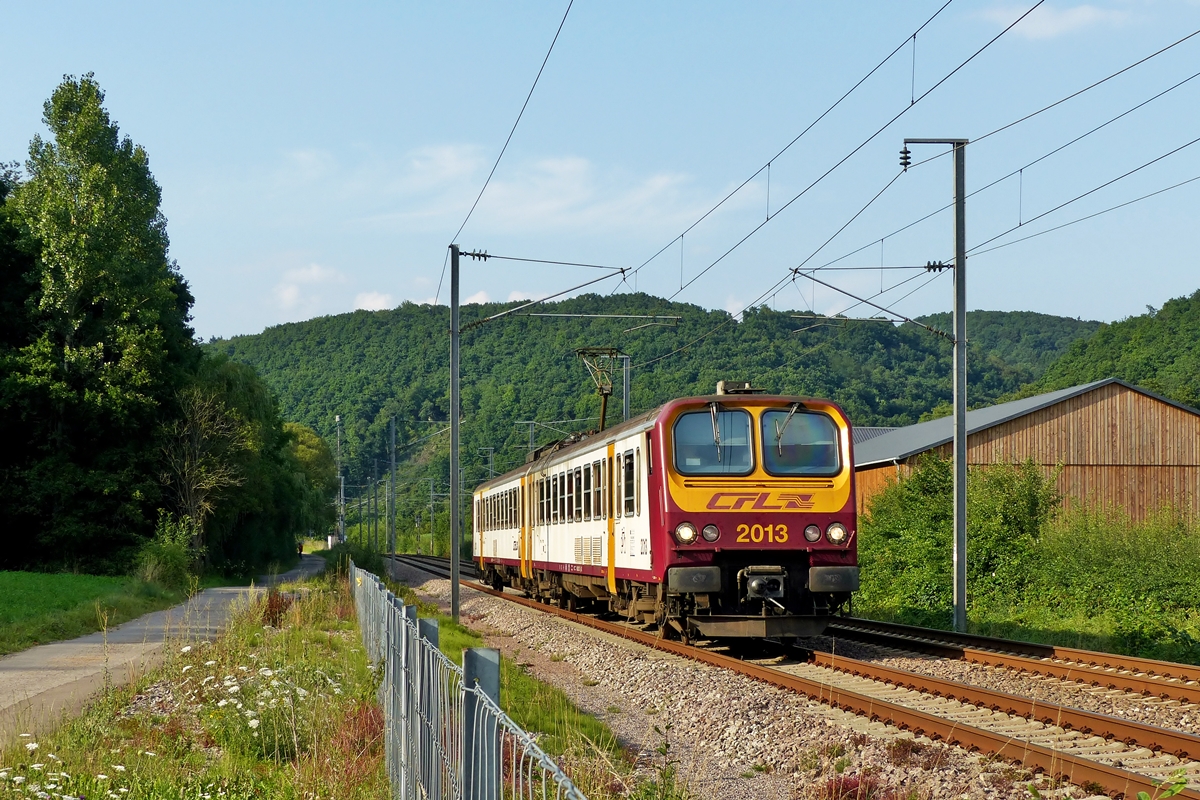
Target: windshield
[
  {"x": 797, "y": 442},
  {"x": 713, "y": 442}
]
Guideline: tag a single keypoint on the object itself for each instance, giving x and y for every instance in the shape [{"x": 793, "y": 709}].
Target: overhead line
[
  {"x": 1085, "y": 194},
  {"x": 516, "y": 122},
  {"x": 1089, "y": 216},
  {"x": 788, "y": 146},
  {"x": 485, "y": 320},
  {"x": 865, "y": 142},
  {"x": 1041, "y": 158},
  {"x": 486, "y": 256}
]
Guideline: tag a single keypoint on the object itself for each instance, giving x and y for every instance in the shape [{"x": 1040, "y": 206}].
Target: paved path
[{"x": 41, "y": 685}]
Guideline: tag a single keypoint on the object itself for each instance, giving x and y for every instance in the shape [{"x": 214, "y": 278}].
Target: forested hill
[
  {"x": 369, "y": 366},
  {"x": 1159, "y": 350}
]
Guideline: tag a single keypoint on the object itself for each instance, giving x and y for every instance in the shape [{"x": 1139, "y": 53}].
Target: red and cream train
[{"x": 730, "y": 515}]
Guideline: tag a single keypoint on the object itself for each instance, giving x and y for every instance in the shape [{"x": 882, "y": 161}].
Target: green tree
[
  {"x": 108, "y": 341},
  {"x": 317, "y": 473}
]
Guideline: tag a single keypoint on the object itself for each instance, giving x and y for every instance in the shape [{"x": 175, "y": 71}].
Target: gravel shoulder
[{"x": 733, "y": 737}]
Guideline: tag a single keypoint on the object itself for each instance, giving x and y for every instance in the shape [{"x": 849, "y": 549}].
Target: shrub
[{"x": 168, "y": 558}]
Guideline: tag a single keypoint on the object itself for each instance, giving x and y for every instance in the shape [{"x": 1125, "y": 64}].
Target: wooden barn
[{"x": 1117, "y": 444}]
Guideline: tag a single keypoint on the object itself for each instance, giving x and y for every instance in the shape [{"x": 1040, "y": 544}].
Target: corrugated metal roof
[
  {"x": 864, "y": 433},
  {"x": 901, "y": 443}
]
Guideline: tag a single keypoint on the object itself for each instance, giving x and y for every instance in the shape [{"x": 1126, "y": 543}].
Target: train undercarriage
[{"x": 733, "y": 599}]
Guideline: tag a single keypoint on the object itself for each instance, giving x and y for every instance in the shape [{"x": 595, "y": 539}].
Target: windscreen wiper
[
  {"x": 779, "y": 429},
  {"x": 712, "y": 408}
]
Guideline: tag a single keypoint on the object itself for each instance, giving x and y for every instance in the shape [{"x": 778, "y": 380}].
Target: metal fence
[{"x": 444, "y": 733}]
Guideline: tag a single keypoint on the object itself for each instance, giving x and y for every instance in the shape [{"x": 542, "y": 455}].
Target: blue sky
[{"x": 317, "y": 158}]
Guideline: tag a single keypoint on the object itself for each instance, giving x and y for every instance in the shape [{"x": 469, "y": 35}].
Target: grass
[
  {"x": 284, "y": 711},
  {"x": 36, "y": 608}
]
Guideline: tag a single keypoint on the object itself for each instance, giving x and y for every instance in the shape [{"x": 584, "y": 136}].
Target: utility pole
[
  {"x": 454, "y": 432},
  {"x": 375, "y": 505},
  {"x": 625, "y": 387},
  {"x": 960, "y": 370},
  {"x": 341, "y": 483},
  {"x": 391, "y": 526},
  {"x": 491, "y": 451}
]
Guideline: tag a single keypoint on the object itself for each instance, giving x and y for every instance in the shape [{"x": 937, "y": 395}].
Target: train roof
[{"x": 563, "y": 449}]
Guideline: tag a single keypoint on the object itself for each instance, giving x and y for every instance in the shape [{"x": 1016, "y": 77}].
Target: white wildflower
[
  {"x": 101, "y": 776},
  {"x": 274, "y": 683},
  {"x": 301, "y": 692},
  {"x": 244, "y": 669},
  {"x": 222, "y": 704},
  {"x": 186, "y": 668},
  {"x": 187, "y": 648},
  {"x": 53, "y": 757},
  {"x": 36, "y": 766},
  {"x": 119, "y": 767},
  {"x": 209, "y": 663},
  {"x": 152, "y": 755},
  {"x": 266, "y": 673},
  {"x": 19, "y": 779},
  {"x": 206, "y": 680},
  {"x": 31, "y": 746},
  {"x": 234, "y": 689},
  {"x": 254, "y": 723},
  {"x": 26, "y": 735}
]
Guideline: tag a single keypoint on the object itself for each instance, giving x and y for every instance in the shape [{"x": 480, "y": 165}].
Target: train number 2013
[{"x": 755, "y": 533}]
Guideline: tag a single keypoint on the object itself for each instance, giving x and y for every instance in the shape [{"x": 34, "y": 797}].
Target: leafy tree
[
  {"x": 108, "y": 343},
  {"x": 311, "y": 455}
]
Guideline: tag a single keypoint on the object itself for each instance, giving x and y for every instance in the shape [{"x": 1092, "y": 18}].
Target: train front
[{"x": 761, "y": 529}]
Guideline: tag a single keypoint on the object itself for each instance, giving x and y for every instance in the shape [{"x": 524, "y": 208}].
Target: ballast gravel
[
  {"x": 732, "y": 737},
  {"x": 1148, "y": 710}
]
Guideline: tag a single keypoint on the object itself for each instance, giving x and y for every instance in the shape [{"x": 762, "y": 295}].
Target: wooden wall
[{"x": 1116, "y": 446}]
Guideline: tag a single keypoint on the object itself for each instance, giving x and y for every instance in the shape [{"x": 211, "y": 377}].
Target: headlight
[
  {"x": 837, "y": 533},
  {"x": 812, "y": 533},
  {"x": 711, "y": 533},
  {"x": 686, "y": 533}
]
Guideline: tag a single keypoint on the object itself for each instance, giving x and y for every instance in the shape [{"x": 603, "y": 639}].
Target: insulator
[{"x": 905, "y": 158}]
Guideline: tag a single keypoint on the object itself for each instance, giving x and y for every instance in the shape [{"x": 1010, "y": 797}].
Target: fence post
[{"x": 480, "y": 736}]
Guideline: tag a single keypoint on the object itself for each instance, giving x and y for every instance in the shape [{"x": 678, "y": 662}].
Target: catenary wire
[
  {"x": 864, "y": 143},
  {"x": 788, "y": 146},
  {"x": 1089, "y": 216},
  {"x": 1036, "y": 160},
  {"x": 1085, "y": 194},
  {"x": 516, "y": 122},
  {"x": 505, "y": 313}
]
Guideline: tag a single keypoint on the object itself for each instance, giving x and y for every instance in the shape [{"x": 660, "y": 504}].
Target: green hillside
[
  {"x": 1159, "y": 350},
  {"x": 369, "y": 366}
]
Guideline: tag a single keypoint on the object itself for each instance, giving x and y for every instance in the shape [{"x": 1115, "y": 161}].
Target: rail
[
  {"x": 445, "y": 735},
  {"x": 1075, "y": 768}
]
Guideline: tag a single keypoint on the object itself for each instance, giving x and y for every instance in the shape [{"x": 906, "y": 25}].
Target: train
[{"x": 729, "y": 515}]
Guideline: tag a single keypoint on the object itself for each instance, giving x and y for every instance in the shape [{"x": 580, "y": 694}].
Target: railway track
[
  {"x": 1161, "y": 679},
  {"x": 1096, "y": 751}
]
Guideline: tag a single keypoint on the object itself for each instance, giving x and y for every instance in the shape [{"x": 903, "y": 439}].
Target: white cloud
[
  {"x": 518, "y": 294},
  {"x": 1047, "y": 22},
  {"x": 478, "y": 297},
  {"x": 373, "y": 301},
  {"x": 734, "y": 307},
  {"x": 293, "y": 292}
]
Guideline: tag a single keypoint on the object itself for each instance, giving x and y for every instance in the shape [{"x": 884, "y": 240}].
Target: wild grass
[
  {"x": 37, "y": 607},
  {"x": 283, "y": 710}
]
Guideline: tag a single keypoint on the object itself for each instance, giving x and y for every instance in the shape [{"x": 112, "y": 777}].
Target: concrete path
[{"x": 41, "y": 685}]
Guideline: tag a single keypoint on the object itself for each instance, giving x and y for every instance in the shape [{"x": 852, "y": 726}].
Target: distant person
[{"x": 300, "y": 548}]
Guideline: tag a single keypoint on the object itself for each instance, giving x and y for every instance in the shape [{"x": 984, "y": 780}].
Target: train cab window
[
  {"x": 587, "y": 491},
  {"x": 579, "y": 494},
  {"x": 597, "y": 495},
  {"x": 629, "y": 483},
  {"x": 798, "y": 442},
  {"x": 713, "y": 442}
]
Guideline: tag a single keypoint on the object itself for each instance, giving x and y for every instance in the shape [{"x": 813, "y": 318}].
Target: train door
[
  {"x": 612, "y": 530},
  {"x": 522, "y": 521}
]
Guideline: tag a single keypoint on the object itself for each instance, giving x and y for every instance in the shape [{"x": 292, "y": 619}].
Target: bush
[
  {"x": 906, "y": 538},
  {"x": 338, "y": 559},
  {"x": 168, "y": 558}
]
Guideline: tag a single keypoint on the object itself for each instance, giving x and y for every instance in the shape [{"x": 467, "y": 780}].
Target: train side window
[
  {"x": 627, "y": 475},
  {"x": 649, "y": 454},
  {"x": 562, "y": 497},
  {"x": 570, "y": 515},
  {"x": 594, "y": 511},
  {"x": 512, "y": 508},
  {"x": 619, "y": 487},
  {"x": 637, "y": 481},
  {"x": 579, "y": 494},
  {"x": 554, "y": 503},
  {"x": 545, "y": 504},
  {"x": 587, "y": 492}
]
